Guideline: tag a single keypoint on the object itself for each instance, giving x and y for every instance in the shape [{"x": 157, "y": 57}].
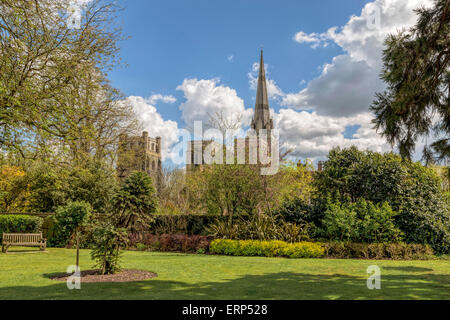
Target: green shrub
[
  {"x": 303, "y": 250},
  {"x": 141, "y": 247},
  {"x": 377, "y": 251},
  {"x": 201, "y": 251},
  {"x": 299, "y": 212},
  {"x": 263, "y": 227},
  {"x": 411, "y": 189},
  {"x": 273, "y": 248},
  {"x": 66, "y": 220},
  {"x": 361, "y": 221},
  {"x": 19, "y": 224}
]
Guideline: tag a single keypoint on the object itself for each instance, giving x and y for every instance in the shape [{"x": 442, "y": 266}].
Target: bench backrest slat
[{"x": 22, "y": 238}]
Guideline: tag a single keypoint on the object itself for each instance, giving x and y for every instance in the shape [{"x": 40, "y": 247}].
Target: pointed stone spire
[{"x": 261, "y": 118}]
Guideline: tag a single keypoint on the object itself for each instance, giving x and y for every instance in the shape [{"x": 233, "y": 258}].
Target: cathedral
[
  {"x": 143, "y": 153},
  {"x": 261, "y": 121}
]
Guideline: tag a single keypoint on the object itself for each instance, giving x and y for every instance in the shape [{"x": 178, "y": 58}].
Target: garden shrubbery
[
  {"x": 42, "y": 186},
  {"x": 394, "y": 251},
  {"x": 19, "y": 224},
  {"x": 170, "y": 242},
  {"x": 259, "y": 227},
  {"x": 375, "y": 198},
  {"x": 274, "y": 248},
  {"x": 65, "y": 222},
  {"x": 359, "y": 197},
  {"x": 360, "y": 221},
  {"x": 337, "y": 250}
]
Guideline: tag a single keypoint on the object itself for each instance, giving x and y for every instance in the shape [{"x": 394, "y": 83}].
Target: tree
[
  {"x": 293, "y": 181},
  {"x": 226, "y": 189},
  {"x": 53, "y": 83},
  {"x": 218, "y": 120},
  {"x": 14, "y": 191},
  {"x": 172, "y": 192},
  {"x": 54, "y": 184},
  {"x": 68, "y": 223},
  {"x": 108, "y": 241},
  {"x": 133, "y": 206},
  {"x": 412, "y": 190},
  {"x": 135, "y": 202},
  {"x": 416, "y": 70}
]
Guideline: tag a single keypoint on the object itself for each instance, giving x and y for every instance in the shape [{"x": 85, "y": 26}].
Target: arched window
[{"x": 153, "y": 165}]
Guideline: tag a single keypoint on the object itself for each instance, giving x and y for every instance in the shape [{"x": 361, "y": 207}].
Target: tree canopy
[
  {"x": 54, "y": 91},
  {"x": 416, "y": 103}
]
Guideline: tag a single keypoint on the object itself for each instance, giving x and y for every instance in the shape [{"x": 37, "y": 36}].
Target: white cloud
[
  {"x": 230, "y": 58},
  {"x": 345, "y": 87},
  {"x": 302, "y": 37},
  {"x": 310, "y": 135},
  {"x": 206, "y": 97},
  {"x": 153, "y": 99},
  {"x": 315, "y": 39},
  {"x": 348, "y": 84},
  {"x": 154, "y": 123}
]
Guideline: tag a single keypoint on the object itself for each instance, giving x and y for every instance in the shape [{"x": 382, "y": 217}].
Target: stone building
[
  {"x": 140, "y": 153},
  {"x": 196, "y": 151}
]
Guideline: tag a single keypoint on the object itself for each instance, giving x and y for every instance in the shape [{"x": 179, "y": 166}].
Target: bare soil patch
[{"x": 126, "y": 275}]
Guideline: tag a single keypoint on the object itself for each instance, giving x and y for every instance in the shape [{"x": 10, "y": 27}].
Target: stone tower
[
  {"x": 140, "y": 153},
  {"x": 261, "y": 118}
]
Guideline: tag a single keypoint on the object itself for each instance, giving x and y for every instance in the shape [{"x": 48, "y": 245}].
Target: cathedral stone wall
[{"x": 140, "y": 153}]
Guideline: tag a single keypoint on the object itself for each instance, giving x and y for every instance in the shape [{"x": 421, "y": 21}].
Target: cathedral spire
[{"x": 261, "y": 118}]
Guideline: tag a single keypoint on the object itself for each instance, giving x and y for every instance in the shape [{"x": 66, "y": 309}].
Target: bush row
[
  {"x": 19, "y": 224},
  {"x": 338, "y": 250},
  {"x": 273, "y": 248},
  {"x": 170, "y": 242},
  {"x": 162, "y": 225},
  {"x": 395, "y": 251}
]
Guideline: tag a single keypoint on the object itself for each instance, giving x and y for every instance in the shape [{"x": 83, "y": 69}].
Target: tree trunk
[{"x": 78, "y": 250}]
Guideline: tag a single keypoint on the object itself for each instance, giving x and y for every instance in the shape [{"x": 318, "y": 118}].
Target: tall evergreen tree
[{"x": 416, "y": 103}]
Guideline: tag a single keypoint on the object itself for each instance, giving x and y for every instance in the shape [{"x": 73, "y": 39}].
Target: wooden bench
[{"x": 23, "y": 240}]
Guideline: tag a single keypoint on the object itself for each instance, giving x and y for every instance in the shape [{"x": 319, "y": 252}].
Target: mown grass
[{"x": 181, "y": 276}]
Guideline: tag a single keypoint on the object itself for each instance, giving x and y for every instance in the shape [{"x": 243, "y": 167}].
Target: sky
[{"x": 187, "y": 59}]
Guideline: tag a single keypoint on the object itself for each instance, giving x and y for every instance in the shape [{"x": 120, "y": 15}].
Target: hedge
[
  {"x": 170, "y": 242},
  {"x": 394, "y": 251},
  {"x": 19, "y": 224},
  {"x": 338, "y": 250},
  {"x": 273, "y": 248}
]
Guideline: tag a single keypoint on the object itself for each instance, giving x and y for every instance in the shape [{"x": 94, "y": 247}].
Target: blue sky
[
  {"x": 323, "y": 59},
  {"x": 173, "y": 40}
]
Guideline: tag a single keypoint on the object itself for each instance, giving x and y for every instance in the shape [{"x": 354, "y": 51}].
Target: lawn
[{"x": 182, "y": 276}]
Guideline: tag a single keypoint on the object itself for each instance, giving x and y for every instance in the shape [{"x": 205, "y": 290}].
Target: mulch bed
[{"x": 123, "y": 276}]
